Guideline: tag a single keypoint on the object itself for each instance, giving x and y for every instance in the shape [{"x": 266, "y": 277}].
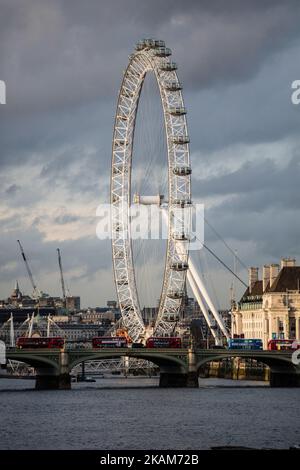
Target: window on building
[{"x": 293, "y": 328}]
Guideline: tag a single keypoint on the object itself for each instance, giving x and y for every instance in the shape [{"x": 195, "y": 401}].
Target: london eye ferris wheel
[{"x": 151, "y": 56}]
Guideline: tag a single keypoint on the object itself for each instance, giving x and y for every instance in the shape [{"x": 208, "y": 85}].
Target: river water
[{"x": 133, "y": 413}]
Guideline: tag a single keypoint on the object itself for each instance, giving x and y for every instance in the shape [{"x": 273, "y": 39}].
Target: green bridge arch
[
  {"x": 35, "y": 360},
  {"x": 275, "y": 362},
  {"x": 160, "y": 359}
]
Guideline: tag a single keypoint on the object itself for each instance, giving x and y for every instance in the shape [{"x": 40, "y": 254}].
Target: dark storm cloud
[
  {"x": 63, "y": 61},
  {"x": 12, "y": 189},
  {"x": 254, "y": 181},
  {"x": 65, "y": 219},
  {"x": 56, "y": 54},
  {"x": 44, "y": 137},
  {"x": 261, "y": 206},
  {"x": 274, "y": 232},
  {"x": 247, "y": 112}
]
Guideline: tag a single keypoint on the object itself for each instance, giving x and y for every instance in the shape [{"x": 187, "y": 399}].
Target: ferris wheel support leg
[
  {"x": 201, "y": 303},
  {"x": 202, "y": 296},
  {"x": 48, "y": 326},
  {"x": 205, "y": 295},
  {"x": 12, "y": 332},
  {"x": 30, "y": 331}
]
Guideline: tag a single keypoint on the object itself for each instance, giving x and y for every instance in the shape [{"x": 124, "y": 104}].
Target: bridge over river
[{"x": 178, "y": 367}]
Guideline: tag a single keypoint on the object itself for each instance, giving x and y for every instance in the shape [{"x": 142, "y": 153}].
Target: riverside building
[{"x": 270, "y": 307}]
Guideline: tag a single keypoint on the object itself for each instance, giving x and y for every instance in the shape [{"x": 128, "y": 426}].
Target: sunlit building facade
[{"x": 270, "y": 307}]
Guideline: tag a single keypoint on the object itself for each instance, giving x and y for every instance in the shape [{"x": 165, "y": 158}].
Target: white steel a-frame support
[
  {"x": 203, "y": 297},
  {"x": 202, "y": 306},
  {"x": 12, "y": 342},
  {"x": 193, "y": 273}
]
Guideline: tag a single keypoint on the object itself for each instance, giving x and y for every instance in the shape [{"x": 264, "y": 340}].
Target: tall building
[
  {"x": 112, "y": 304},
  {"x": 16, "y": 295},
  {"x": 270, "y": 307},
  {"x": 73, "y": 303}
]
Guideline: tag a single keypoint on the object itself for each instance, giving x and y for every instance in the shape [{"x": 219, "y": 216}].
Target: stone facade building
[{"x": 270, "y": 307}]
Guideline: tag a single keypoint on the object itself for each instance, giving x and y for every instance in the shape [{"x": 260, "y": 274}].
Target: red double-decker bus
[
  {"x": 164, "y": 342},
  {"x": 109, "y": 342},
  {"x": 283, "y": 344},
  {"x": 40, "y": 342}
]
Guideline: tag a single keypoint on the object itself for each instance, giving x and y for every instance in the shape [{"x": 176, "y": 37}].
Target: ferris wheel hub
[{"x": 157, "y": 200}]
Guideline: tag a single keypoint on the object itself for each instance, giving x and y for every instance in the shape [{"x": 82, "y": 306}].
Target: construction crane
[
  {"x": 36, "y": 292},
  {"x": 61, "y": 275}
]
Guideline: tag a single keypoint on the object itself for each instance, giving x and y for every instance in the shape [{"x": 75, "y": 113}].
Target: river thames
[{"x": 133, "y": 413}]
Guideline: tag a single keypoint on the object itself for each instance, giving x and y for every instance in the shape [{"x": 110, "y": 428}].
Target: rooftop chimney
[
  {"x": 266, "y": 276},
  {"x": 288, "y": 262},
  {"x": 274, "y": 270},
  {"x": 253, "y": 277}
]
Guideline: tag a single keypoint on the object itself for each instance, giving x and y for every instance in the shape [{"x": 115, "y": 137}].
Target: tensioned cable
[
  {"x": 225, "y": 243},
  {"x": 224, "y": 264}
]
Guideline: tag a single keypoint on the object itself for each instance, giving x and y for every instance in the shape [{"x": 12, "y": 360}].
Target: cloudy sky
[{"x": 62, "y": 61}]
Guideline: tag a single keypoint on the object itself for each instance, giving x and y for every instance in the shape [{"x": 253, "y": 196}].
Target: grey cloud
[
  {"x": 57, "y": 54},
  {"x": 89, "y": 255},
  {"x": 84, "y": 109},
  {"x": 260, "y": 214},
  {"x": 66, "y": 219},
  {"x": 55, "y": 138},
  {"x": 256, "y": 111},
  {"x": 274, "y": 233},
  {"x": 12, "y": 189},
  {"x": 263, "y": 177}
]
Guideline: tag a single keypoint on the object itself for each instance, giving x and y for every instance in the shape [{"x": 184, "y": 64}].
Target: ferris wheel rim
[{"x": 150, "y": 55}]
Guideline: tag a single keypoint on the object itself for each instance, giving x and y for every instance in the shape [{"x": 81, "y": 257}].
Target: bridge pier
[
  {"x": 176, "y": 380},
  {"x": 192, "y": 375},
  {"x": 284, "y": 379},
  {"x": 170, "y": 377},
  {"x": 54, "y": 379},
  {"x": 53, "y": 382},
  {"x": 192, "y": 380}
]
